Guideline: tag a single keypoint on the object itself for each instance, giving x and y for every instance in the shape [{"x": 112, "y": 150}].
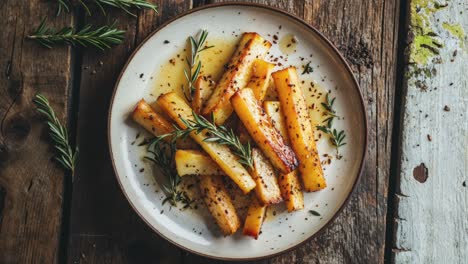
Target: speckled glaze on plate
[{"x": 192, "y": 229}]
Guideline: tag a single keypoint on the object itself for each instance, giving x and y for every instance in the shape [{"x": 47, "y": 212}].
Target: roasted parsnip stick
[
  {"x": 251, "y": 47},
  {"x": 264, "y": 175},
  {"x": 194, "y": 162},
  {"x": 156, "y": 124},
  {"x": 290, "y": 187},
  {"x": 262, "y": 131},
  {"x": 255, "y": 217},
  {"x": 300, "y": 130},
  {"x": 219, "y": 203},
  {"x": 260, "y": 78}
]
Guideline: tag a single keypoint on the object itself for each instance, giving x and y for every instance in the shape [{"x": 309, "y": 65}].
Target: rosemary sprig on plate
[
  {"x": 163, "y": 156},
  {"x": 215, "y": 133},
  {"x": 222, "y": 135},
  {"x": 124, "y": 5},
  {"x": 193, "y": 68},
  {"x": 101, "y": 38},
  {"x": 66, "y": 154},
  {"x": 336, "y": 137},
  {"x": 329, "y": 111}
]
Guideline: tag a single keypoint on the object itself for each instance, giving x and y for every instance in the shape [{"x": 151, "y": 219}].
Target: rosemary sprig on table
[
  {"x": 163, "y": 156},
  {"x": 62, "y": 5},
  {"x": 66, "y": 155},
  {"x": 124, "y": 5},
  {"x": 101, "y": 38},
  {"x": 191, "y": 72}
]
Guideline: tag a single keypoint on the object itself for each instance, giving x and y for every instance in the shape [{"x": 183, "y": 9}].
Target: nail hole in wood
[{"x": 420, "y": 173}]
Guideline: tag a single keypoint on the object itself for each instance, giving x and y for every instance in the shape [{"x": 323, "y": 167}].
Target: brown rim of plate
[{"x": 331, "y": 46}]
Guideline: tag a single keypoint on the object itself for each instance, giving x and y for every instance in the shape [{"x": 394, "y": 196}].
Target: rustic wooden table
[{"x": 411, "y": 205}]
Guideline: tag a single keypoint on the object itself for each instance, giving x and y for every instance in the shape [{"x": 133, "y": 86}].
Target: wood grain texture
[
  {"x": 104, "y": 227},
  {"x": 366, "y": 33},
  {"x": 31, "y": 185},
  {"x": 431, "y": 221}
]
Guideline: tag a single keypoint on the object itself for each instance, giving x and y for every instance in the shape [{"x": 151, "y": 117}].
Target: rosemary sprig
[
  {"x": 101, "y": 38},
  {"x": 163, "y": 156},
  {"x": 221, "y": 135},
  {"x": 62, "y": 5},
  {"x": 336, "y": 137},
  {"x": 307, "y": 69},
  {"x": 193, "y": 68},
  {"x": 329, "y": 111},
  {"x": 66, "y": 155},
  {"x": 124, "y": 5},
  {"x": 215, "y": 133}
]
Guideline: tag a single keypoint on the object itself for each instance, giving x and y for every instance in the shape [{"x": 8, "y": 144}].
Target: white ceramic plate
[{"x": 192, "y": 229}]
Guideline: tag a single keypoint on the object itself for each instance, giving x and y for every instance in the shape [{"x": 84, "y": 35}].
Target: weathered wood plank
[
  {"x": 432, "y": 199},
  {"x": 31, "y": 184},
  {"x": 358, "y": 235},
  {"x": 105, "y": 229}
]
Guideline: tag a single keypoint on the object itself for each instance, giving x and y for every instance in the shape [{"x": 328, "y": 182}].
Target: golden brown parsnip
[
  {"x": 203, "y": 89},
  {"x": 178, "y": 109},
  {"x": 156, "y": 124},
  {"x": 259, "y": 83},
  {"x": 219, "y": 203},
  {"x": 251, "y": 47},
  {"x": 260, "y": 78},
  {"x": 267, "y": 189},
  {"x": 194, "y": 162},
  {"x": 291, "y": 191},
  {"x": 262, "y": 131},
  {"x": 300, "y": 130},
  {"x": 290, "y": 187},
  {"x": 255, "y": 217},
  {"x": 273, "y": 111}
]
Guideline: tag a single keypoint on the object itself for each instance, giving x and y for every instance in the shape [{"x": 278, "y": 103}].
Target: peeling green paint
[
  {"x": 457, "y": 31},
  {"x": 425, "y": 44}
]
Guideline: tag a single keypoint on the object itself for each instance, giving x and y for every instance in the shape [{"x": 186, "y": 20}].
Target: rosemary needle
[
  {"x": 66, "y": 155},
  {"x": 101, "y": 38}
]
